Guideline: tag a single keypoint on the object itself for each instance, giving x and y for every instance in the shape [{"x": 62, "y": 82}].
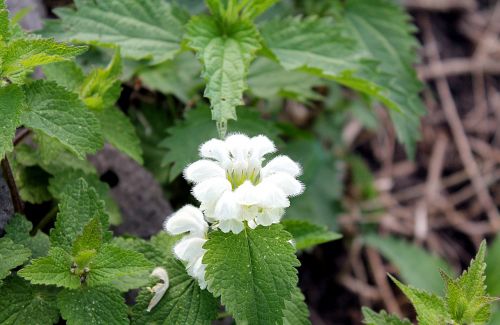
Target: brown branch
[
  {"x": 440, "y": 5},
  {"x": 20, "y": 136},
  {"x": 11, "y": 183}
]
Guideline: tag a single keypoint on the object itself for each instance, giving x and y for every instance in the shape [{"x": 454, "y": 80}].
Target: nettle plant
[{"x": 233, "y": 254}]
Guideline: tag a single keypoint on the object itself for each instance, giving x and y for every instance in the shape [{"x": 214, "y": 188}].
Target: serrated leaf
[
  {"x": 92, "y": 306},
  {"x": 120, "y": 268},
  {"x": 246, "y": 9},
  {"x": 101, "y": 87},
  {"x": 381, "y": 318},
  {"x": 23, "y": 303},
  {"x": 321, "y": 46},
  {"x": 11, "y": 101},
  {"x": 296, "y": 311},
  {"x": 412, "y": 261},
  {"x": 384, "y": 30},
  {"x": 11, "y": 255},
  {"x": 186, "y": 136},
  {"x": 77, "y": 207},
  {"x": 54, "y": 269},
  {"x": 184, "y": 302},
  {"x": 4, "y": 22},
  {"x": 307, "y": 235},
  {"x": 90, "y": 239},
  {"x": 178, "y": 76},
  {"x": 269, "y": 80},
  {"x": 59, "y": 113},
  {"x": 119, "y": 132},
  {"x": 21, "y": 56},
  {"x": 253, "y": 272},
  {"x": 466, "y": 296},
  {"x": 18, "y": 229},
  {"x": 493, "y": 268},
  {"x": 64, "y": 180},
  {"x": 143, "y": 29},
  {"x": 146, "y": 248},
  {"x": 225, "y": 54},
  {"x": 431, "y": 309}
]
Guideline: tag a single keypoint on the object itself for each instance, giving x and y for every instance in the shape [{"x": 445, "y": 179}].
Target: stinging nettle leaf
[
  {"x": 23, "y": 303},
  {"x": 11, "y": 256},
  {"x": 307, "y": 235},
  {"x": 381, "y": 318},
  {"x": 143, "y": 29},
  {"x": 18, "y": 229},
  {"x": 253, "y": 272},
  {"x": 225, "y": 53},
  {"x": 11, "y": 102},
  {"x": 90, "y": 239},
  {"x": 296, "y": 311},
  {"x": 184, "y": 302},
  {"x": 92, "y": 306},
  {"x": 59, "y": 113}
]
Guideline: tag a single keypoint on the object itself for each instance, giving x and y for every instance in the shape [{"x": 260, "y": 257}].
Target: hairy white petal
[
  {"x": 187, "y": 219},
  {"x": 269, "y": 217},
  {"x": 215, "y": 149},
  {"x": 238, "y": 145},
  {"x": 227, "y": 207},
  {"x": 261, "y": 146},
  {"x": 271, "y": 196},
  {"x": 281, "y": 164},
  {"x": 231, "y": 225},
  {"x": 288, "y": 184},
  {"x": 160, "y": 288},
  {"x": 197, "y": 271},
  {"x": 202, "y": 170},
  {"x": 189, "y": 249},
  {"x": 211, "y": 189},
  {"x": 246, "y": 194}
]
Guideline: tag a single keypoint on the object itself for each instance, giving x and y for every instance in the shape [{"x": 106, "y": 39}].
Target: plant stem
[
  {"x": 223, "y": 314},
  {"x": 48, "y": 218},
  {"x": 20, "y": 136},
  {"x": 11, "y": 183}
]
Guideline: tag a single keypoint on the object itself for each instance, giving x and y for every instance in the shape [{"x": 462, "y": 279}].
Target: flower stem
[{"x": 11, "y": 183}]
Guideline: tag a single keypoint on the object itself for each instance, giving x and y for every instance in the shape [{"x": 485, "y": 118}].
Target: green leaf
[
  {"x": 11, "y": 101},
  {"x": 102, "y": 87},
  {"x": 4, "y": 22},
  {"x": 253, "y": 272},
  {"x": 21, "y": 56},
  {"x": 187, "y": 135},
  {"x": 18, "y": 229},
  {"x": 431, "y": 309},
  {"x": 67, "y": 74},
  {"x": 269, "y": 80},
  {"x": 11, "y": 255},
  {"x": 493, "y": 268},
  {"x": 382, "y": 318},
  {"x": 60, "y": 114},
  {"x": 143, "y": 29},
  {"x": 226, "y": 53},
  {"x": 92, "y": 306},
  {"x": 296, "y": 311},
  {"x": 412, "y": 261},
  {"x": 184, "y": 302},
  {"x": 383, "y": 29},
  {"x": 63, "y": 181},
  {"x": 119, "y": 131},
  {"x": 320, "y": 46},
  {"x": 120, "y": 268},
  {"x": 90, "y": 239},
  {"x": 23, "y": 303},
  {"x": 78, "y": 206},
  {"x": 178, "y": 76},
  {"x": 54, "y": 269},
  {"x": 307, "y": 235},
  {"x": 466, "y": 296}
]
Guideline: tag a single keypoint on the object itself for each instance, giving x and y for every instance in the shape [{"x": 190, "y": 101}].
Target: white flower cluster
[{"x": 233, "y": 188}]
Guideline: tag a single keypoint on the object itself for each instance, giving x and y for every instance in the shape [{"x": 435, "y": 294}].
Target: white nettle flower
[
  {"x": 190, "y": 221},
  {"x": 233, "y": 186},
  {"x": 160, "y": 288}
]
